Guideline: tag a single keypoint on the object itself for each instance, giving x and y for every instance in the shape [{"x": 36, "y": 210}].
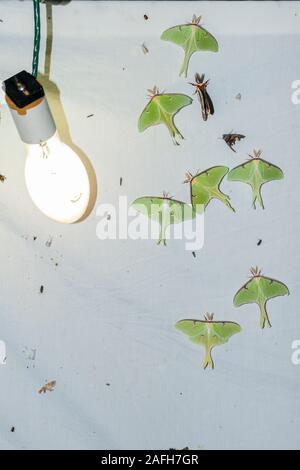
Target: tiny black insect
[
  {"x": 41, "y": 289},
  {"x": 206, "y": 103},
  {"x": 231, "y": 139},
  {"x": 121, "y": 181},
  {"x": 259, "y": 242}
]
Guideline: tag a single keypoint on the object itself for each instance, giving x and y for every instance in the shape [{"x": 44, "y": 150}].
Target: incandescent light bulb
[
  {"x": 55, "y": 176},
  {"x": 56, "y": 180}
]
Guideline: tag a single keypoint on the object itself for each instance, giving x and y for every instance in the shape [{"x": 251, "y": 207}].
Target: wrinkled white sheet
[{"x": 108, "y": 309}]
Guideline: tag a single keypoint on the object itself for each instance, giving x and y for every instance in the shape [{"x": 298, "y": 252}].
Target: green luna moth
[
  {"x": 191, "y": 37},
  {"x": 208, "y": 333},
  {"x": 162, "y": 109},
  {"x": 164, "y": 210},
  {"x": 256, "y": 172},
  {"x": 205, "y": 186},
  {"x": 259, "y": 290}
]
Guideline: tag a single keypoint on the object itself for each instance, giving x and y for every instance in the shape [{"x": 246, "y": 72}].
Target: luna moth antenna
[
  {"x": 255, "y": 271},
  {"x": 166, "y": 195},
  {"x": 188, "y": 177},
  {"x": 209, "y": 316},
  {"x": 196, "y": 20}
]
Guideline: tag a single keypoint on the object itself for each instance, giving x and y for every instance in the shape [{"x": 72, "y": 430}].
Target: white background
[{"x": 108, "y": 309}]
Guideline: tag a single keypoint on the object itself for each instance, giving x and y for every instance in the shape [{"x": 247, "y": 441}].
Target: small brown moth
[
  {"x": 231, "y": 139},
  {"x": 206, "y": 103},
  {"x": 49, "y": 387}
]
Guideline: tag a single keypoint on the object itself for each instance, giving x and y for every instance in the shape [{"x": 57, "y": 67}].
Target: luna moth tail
[
  {"x": 225, "y": 199},
  {"x": 229, "y": 205},
  {"x": 258, "y": 198},
  {"x": 185, "y": 64},
  {"x": 162, "y": 235},
  {"x": 208, "y": 361},
  {"x": 174, "y": 132},
  {"x": 264, "y": 319}
]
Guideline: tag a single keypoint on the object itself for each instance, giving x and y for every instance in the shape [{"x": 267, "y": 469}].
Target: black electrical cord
[
  {"x": 49, "y": 41},
  {"x": 37, "y": 37}
]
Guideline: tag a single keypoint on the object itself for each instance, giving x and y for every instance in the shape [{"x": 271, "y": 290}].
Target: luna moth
[
  {"x": 205, "y": 186},
  {"x": 162, "y": 109},
  {"x": 256, "y": 172},
  {"x": 208, "y": 333},
  {"x": 164, "y": 210},
  {"x": 259, "y": 290},
  {"x": 191, "y": 37}
]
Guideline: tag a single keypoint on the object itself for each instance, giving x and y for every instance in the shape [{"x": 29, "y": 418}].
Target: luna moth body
[
  {"x": 191, "y": 37},
  {"x": 259, "y": 290},
  {"x": 208, "y": 333},
  {"x": 256, "y": 172},
  {"x": 205, "y": 186},
  {"x": 164, "y": 210},
  {"x": 162, "y": 109}
]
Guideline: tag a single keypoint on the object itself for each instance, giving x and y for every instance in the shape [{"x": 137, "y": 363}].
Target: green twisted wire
[{"x": 37, "y": 37}]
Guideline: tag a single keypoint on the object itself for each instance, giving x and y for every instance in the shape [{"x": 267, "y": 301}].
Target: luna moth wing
[
  {"x": 181, "y": 212},
  {"x": 164, "y": 209},
  {"x": 177, "y": 34},
  {"x": 171, "y": 103},
  {"x": 199, "y": 195},
  {"x": 150, "y": 116},
  {"x": 195, "y": 329},
  {"x": 224, "y": 331},
  {"x": 211, "y": 177},
  {"x": 243, "y": 173},
  {"x": 248, "y": 293},
  {"x": 149, "y": 206},
  {"x": 199, "y": 332},
  {"x": 204, "y": 40},
  {"x": 269, "y": 172},
  {"x": 271, "y": 288}
]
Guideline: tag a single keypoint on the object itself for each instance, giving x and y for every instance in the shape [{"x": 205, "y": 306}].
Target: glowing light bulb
[
  {"x": 57, "y": 180},
  {"x": 55, "y": 176}
]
